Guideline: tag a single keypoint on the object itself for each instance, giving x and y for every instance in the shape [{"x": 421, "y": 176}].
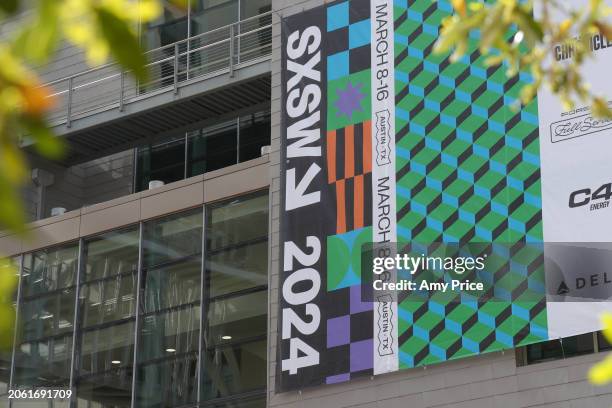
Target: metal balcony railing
[{"x": 216, "y": 52}]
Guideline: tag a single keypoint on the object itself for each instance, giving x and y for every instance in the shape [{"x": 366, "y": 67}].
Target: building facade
[{"x": 149, "y": 276}]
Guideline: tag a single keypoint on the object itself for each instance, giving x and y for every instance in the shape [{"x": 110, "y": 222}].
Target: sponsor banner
[
  {"x": 576, "y": 180},
  {"x": 390, "y": 151}
]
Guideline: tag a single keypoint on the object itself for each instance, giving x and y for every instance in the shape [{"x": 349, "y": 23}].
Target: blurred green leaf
[
  {"x": 8, "y": 285},
  {"x": 9, "y": 6},
  {"x": 45, "y": 142},
  {"x": 123, "y": 43}
]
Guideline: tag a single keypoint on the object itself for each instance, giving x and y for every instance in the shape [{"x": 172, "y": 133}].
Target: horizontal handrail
[
  {"x": 169, "y": 65},
  {"x": 167, "y": 46}
]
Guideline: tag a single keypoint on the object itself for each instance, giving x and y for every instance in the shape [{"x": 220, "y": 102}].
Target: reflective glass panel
[
  {"x": 168, "y": 341},
  {"x": 44, "y": 363},
  {"x": 234, "y": 369},
  {"x": 107, "y": 349},
  {"x": 115, "y": 253},
  {"x": 237, "y": 245},
  {"x": 168, "y": 383},
  {"x": 172, "y": 238},
  {"x": 168, "y": 334},
  {"x": 236, "y": 318},
  {"x": 49, "y": 270},
  {"x": 173, "y": 285},
  {"x": 48, "y": 315},
  {"x": 234, "y": 357},
  {"x": 108, "y": 300}
]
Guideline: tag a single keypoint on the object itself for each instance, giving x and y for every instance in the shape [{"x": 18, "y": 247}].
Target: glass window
[
  {"x": 46, "y": 317},
  {"x": 236, "y": 318},
  {"x": 251, "y": 8},
  {"x": 168, "y": 342},
  {"x": 238, "y": 221},
  {"x": 234, "y": 369},
  {"x": 208, "y": 149},
  {"x": 108, "y": 300},
  {"x": 44, "y": 363},
  {"x": 115, "y": 253},
  {"x": 106, "y": 365},
  {"x": 162, "y": 162},
  {"x": 556, "y": 349},
  {"x": 254, "y": 134},
  {"x": 212, "y": 148},
  {"x": 168, "y": 383},
  {"x": 169, "y": 28},
  {"x": 602, "y": 343},
  {"x": 172, "y": 286},
  {"x": 49, "y": 270},
  {"x": 107, "y": 322},
  {"x": 207, "y": 15},
  {"x": 107, "y": 349},
  {"x": 234, "y": 349},
  {"x": 172, "y": 238}
]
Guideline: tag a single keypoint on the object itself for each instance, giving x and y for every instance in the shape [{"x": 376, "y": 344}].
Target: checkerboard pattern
[
  {"x": 348, "y": 38},
  {"x": 349, "y": 335}
]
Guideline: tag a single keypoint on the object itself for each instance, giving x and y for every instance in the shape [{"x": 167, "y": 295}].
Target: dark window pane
[
  {"x": 44, "y": 363},
  {"x": 213, "y": 148},
  {"x": 172, "y": 238},
  {"x": 208, "y": 15},
  {"x": 556, "y": 349},
  {"x": 172, "y": 286},
  {"x": 250, "y": 8},
  {"x": 112, "y": 254},
  {"x": 254, "y": 134},
  {"x": 602, "y": 342},
  {"x": 47, "y": 316},
  {"x": 164, "y": 162},
  {"x": 169, "y": 28},
  {"x": 234, "y": 369},
  {"x": 49, "y": 270},
  {"x": 236, "y": 318},
  {"x": 108, "y": 300}
]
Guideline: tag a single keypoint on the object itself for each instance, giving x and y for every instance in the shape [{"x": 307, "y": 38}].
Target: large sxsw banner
[{"x": 385, "y": 142}]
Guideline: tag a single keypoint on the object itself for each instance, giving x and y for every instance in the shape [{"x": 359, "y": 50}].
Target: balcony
[{"x": 193, "y": 82}]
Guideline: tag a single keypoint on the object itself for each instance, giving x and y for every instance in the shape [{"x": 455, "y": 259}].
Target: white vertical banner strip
[
  {"x": 384, "y": 220},
  {"x": 576, "y": 177}
]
